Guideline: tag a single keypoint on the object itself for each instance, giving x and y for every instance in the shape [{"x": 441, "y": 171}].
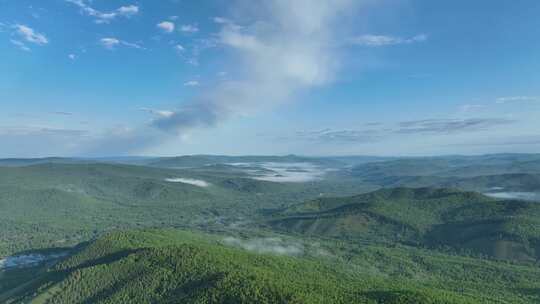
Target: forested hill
[
  {"x": 465, "y": 221},
  {"x": 170, "y": 266}
]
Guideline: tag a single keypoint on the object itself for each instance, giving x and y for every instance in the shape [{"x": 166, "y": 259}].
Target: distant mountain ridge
[
  {"x": 451, "y": 166},
  {"x": 204, "y": 160},
  {"x": 427, "y": 164}
]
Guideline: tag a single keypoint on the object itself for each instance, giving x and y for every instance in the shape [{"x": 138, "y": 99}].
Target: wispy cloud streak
[
  {"x": 514, "y": 99},
  {"x": 111, "y": 43},
  {"x": 29, "y": 35},
  {"x": 382, "y": 40},
  {"x": 105, "y": 17}
]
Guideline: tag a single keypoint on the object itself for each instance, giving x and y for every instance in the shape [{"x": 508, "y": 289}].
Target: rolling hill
[
  {"x": 464, "y": 221},
  {"x": 57, "y": 204}
]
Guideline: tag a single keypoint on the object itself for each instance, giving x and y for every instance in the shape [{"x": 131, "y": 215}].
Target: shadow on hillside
[
  {"x": 21, "y": 282},
  {"x": 110, "y": 291},
  {"x": 107, "y": 259},
  {"x": 182, "y": 292},
  {"x": 48, "y": 275},
  {"x": 188, "y": 289}
]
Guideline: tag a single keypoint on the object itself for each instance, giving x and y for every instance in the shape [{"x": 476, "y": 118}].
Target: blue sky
[{"x": 172, "y": 77}]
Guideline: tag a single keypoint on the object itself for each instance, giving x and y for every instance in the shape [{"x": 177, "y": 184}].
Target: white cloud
[
  {"x": 105, "y": 17},
  {"x": 72, "y": 56},
  {"x": 285, "y": 50},
  {"x": 289, "y": 47},
  {"x": 166, "y": 26},
  {"x": 192, "y": 83},
  {"x": 110, "y": 43},
  {"x": 188, "y": 28},
  {"x": 128, "y": 11},
  {"x": 20, "y": 45},
  {"x": 382, "y": 40},
  {"x": 30, "y": 35},
  {"x": 179, "y": 48},
  {"x": 511, "y": 99}
]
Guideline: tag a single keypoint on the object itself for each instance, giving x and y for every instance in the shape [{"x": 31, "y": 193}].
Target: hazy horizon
[{"x": 269, "y": 155}]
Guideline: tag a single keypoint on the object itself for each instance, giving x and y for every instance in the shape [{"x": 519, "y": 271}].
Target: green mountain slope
[
  {"x": 58, "y": 204},
  {"x": 465, "y": 221},
  {"x": 168, "y": 266}
]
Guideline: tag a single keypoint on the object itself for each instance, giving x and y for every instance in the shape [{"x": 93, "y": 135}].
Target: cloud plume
[{"x": 289, "y": 50}]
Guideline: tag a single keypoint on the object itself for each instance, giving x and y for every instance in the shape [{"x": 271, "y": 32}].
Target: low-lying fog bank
[
  {"x": 283, "y": 172},
  {"x": 190, "y": 181},
  {"x": 28, "y": 260},
  {"x": 526, "y": 196}
]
